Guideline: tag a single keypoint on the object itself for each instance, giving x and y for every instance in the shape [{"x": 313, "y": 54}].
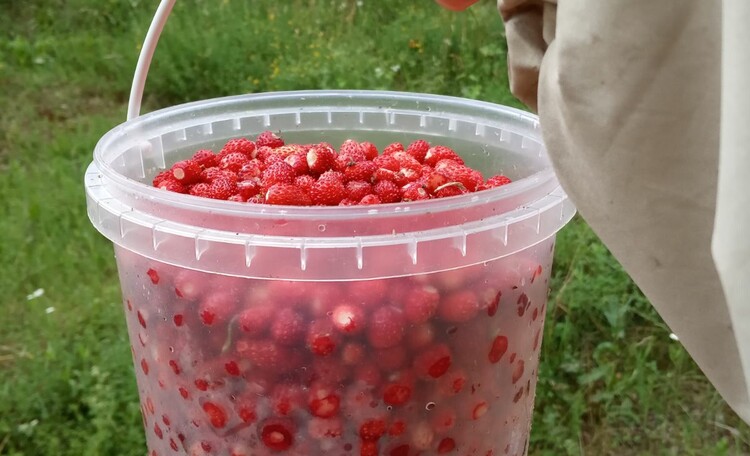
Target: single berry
[
  {"x": 278, "y": 173},
  {"x": 298, "y": 162},
  {"x": 240, "y": 145},
  {"x": 287, "y": 398},
  {"x": 327, "y": 192},
  {"x": 459, "y": 307},
  {"x": 387, "y": 192},
  {"x": 269, "y": 139},
  {"x": 370, "y": 200},
  {"x": 418, "y": 149},
  {"x": 320, "y": 159},
  {"x": 287, "y": 195},
  {"x": 421, "y": 303},
  {"x": 397, "y": 393},
  {"x": 392, "y": 148},
  {"x": 387, "y": 162},
  {"x": 320, "y": 428},
  {"x": 187, "y": 172},
  {"x": 233, "y": 162},
  {"x": 414, "y": 191},
  {"x": 205, "y": 158},
  {"x": 433, "y": 362},
  {"x": 369, "y": 149},
  {"x": 372, "y": 430},
  {"x": 359, "y": 171},
  {"x": 322, "y": 339},
  {"x": 277, "y": 434},
  {"x": 288, "y": 328},
  {"x": 254, "y": 321},
  {"x": 386, "y": 327},
  {"x": 323, "y": 402},
  {"x": 252, "y": 169},
  {"x": 437, "y": 153},
  {"x": 356, "y": 190},
  {"x": 216, "y": 308}
]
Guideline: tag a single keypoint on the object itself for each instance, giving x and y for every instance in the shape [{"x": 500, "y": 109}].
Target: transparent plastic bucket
[{"x": 397, "y": 329}]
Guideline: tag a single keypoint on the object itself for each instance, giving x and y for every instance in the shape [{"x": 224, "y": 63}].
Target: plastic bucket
[{"x": 397, "y": 329}]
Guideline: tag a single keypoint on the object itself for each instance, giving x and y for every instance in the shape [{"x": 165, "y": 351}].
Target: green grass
[{"x": 611, "y": 380}]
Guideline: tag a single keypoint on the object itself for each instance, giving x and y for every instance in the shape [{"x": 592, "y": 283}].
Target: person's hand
[{"x": 456, "y": 5}]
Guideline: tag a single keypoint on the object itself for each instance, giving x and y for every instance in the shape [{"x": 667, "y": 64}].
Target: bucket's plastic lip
[{"x": 544, "y": 176}]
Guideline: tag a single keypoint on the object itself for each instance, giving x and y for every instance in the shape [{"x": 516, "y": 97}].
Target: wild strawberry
[
  {"x": 414, "y": 191},
  {"x": 494, "y": 181},
  {"x": 360, "y": 171},
  {"x": 263, "y": 153},
  {"x": 432, "y": 180},
  {"x": 450, "y": 189},
  {"x": 348, "y": 202},
  {"x": 252, "y": 169},
  {"x": 269, "y": 139},
  {"x": 323, "y": 402},
  {"x": 387, "y": 191},
  {"x": 216, "y": 414},
  {"x": 418, "y": 149},
  {"x": 319, "y": 428},
  {"x": 277, "y": 434},
  {"x": 248, "y": 188},
  {"x": 162, "y": 176},
  {"x": 386, "y": 327},
  {"x": 322, "y": 339},
  {"x": 278, "y": 173},
  {"x": 332, "y": 175},
  {"x": 459, "y": 307},
  {"x": 240, "y": 145},
  {"x": 356, "y": 190},
  {"x": 222, "y": 188},
  {"x": 287, "y": 398},
  {"x": 264, "y": 354},
  {"x": 254, "y": 321},
  {"x": 320, "y": 159},
  {"x": 288, "y": 150},
  {"x": 205, "y": 158},
  {"x": 348, "y": 319},
  {"x": 396, "y": 177},
  {"x": 497, "y": 349},
  {"x": 288, "y": 327},
  {"x": 369, "y": 200},
  {"x": 189, "y": 284},
  {"x": 421, "y": 303},
  {"x": 186, "y": 172},
  {"x": 327, "y": 192},
  {"x": 392, "y": 148},
  {"x": 368, "y": 448},
  {"x": 172, "y": 185},
  {"x": 398, "y": 390},
  {"x": 368, "y": 293},
  {"x": 368, "y": 374},
  {"x": 420, "y": 336},
  {"x": 298, "y": 162},
  {"x": 369, "y": 149},
  {"x": 233, "y": 162},
  {"x": 237, "y": 198},
  {"x": 437, "y": 153},
  {"x": 304, "y": 183},
  {"x": 287, "y": 195},
  {"x": 446, "y": 445},
  {"x": 209, "y": 175},
  {"x": 433, "y": 362},
  {"x": 351, "y": 152},
  {"x": 387, "y": 162},
  {"x": 372, "y": 430},
  {"x": 216, "y": 308},
  {"x": 468, "y": 177}
]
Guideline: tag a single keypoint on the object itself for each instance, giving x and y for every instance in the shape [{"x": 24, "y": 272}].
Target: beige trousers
[{"x": 645, "y": 109}]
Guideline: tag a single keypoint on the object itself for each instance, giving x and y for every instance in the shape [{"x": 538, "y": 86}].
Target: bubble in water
[
  {"x": 171, "y": 349},
  {"x": 429, "y": 406},
  {"x": 321, "y": 228}
]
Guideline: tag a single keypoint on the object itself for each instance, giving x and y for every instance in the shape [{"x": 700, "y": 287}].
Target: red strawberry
[
  {"x": 494, "y": 181},
  {"x": 172, "y": 185},
  {"x": 372, "y": 430},
  {"x": 446, "y": 445},
  {"x": 248, "y": 189},
  {"x": 455, "y": 172},
  {"x": 320, "y": 159},
  {"x": 348, "y": 319},
  {"x": 287, "y": 195},
  {"x": 437, "y": 153},
  {"x": 254, "y": 321},
  {"x": 387, "y": 192},
  {"x": 223, "y": 188},
  {"x": 418, "y": 149},
  {"x": 352, "y": 354},
  {"x": 432, "y": 180},
  {"x": 368, "y": 448},
  {"x": 233, "y": 161},
  {"x": 216, "y": 414},
  {"x": 269, "y": 139},
  {"x": 202, "y": 190},
  {"x": 370, "y": 200},
  {"x": 277, "y": 434},
  {"x": 433, "y": 362},
  {"x": 162, "y": 176},
  {"x": 288, "y": 150},
  {"x": 327, "y": 192},
  {"x": 237, "y": 198},
  {"x": 368, "y": 293},
  {"x": 278, "y": 173},
  {"x": 401, "y": 450},
  {"x": 450, "y": 189},
  {"x": 216, "y": 308},
  {"x": 304, "y": 183},
  {"x": 298, "y": 162},
  {"x": 263, "y": 153},
  {"x": 420, "y": 336},
  {"x": 392, "y": 148},
  {"x": 287, "y": 398},
  {"x": 205, "y": 158},
  {"x": 288, "y": 327},
  {"x": 348, "y": 202},
  {"x": 498, "y": 349},
  {"x": 356, "y": 190},
  {"x": 398, "y": 391},
  {"x": 369, "y": 374},
  {"x": 240, "y": 145},
  {"x": 421, "y": 303},
  {"x": 386, "y": 327},
  {"x": 266, "y": 355},
  {"x": 382, "y": 174},
  {"x": 369, "y": 149},
  {"x": 252, "y": 169},
  {"x": 323, "y": 402},
  {"x": 459, "y": 307},
  {"x": 189, "y": 284},
  {"x": 360, "y": 171},
  {"x": 414, "y": 191},
  {"x": 187, "y": 172},
  {"x": 387, "y": 162},
  {"x": 329, "y": 370},
  {"x": 322, "y": 339}
]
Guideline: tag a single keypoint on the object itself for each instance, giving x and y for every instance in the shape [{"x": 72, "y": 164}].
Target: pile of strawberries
[{"x": 270, "y": 171}]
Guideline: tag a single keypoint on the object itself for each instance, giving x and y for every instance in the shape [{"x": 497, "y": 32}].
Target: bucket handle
[{"x": 145, "y": 57}]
